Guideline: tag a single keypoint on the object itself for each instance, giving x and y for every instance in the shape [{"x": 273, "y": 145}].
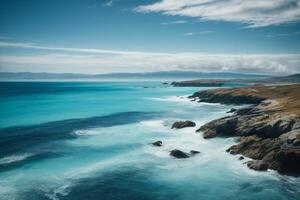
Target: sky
[{"x": 107, "y": 36}]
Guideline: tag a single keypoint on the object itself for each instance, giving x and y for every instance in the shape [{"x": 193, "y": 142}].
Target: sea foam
[{"x": 15, "y": 158}]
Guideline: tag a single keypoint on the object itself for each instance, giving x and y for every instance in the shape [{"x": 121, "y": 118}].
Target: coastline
[{"x": 268, "y": 130}]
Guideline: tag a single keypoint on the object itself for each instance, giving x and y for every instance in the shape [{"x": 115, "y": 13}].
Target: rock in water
[
  {"x": 193, "y": 152},
  {"x": 258, "y": 165},
  {"x": 183, "y": 124},
  {"x": 241, "y": 158},
  {"x": 179, "y": 154},
  {"x": 157, "y": 143},
  {"x": 232, "y": 110}
]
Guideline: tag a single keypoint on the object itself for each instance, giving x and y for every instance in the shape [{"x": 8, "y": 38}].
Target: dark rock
[
  {"x": 226, "y": 98},
  {"x": 157, "y": 143},
  {"x": 165, "y": 83},
  {"x": 232, "y": 110},
  {"x": 258, "y": 165},
  {"x": 223, "y": 126},
  {"x": 296, "y": 142},
  {"x": 241, "y": 158},
  {"x": 243, "y": 111},
  {"x": 179, "y": 154},
  {"x": 266, "y": 134},
  {"x": 280, "y": 154},
  {"x": 193, "y": 152},
  {"x": 183, "y": 124}
]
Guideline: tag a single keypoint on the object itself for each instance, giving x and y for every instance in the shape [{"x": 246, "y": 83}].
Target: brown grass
[{"x": 287, "y": 97}]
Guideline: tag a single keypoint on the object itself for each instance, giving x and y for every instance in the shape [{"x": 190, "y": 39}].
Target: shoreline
[{"x": 268, "y": 129}]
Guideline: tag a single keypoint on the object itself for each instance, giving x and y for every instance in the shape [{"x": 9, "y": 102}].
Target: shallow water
[{"x": 91, "y": 141}]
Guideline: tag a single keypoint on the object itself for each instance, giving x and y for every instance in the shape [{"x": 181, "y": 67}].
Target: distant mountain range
[
  {"x": 295, "y": 78},
  {"x": 163, "y": 75}
]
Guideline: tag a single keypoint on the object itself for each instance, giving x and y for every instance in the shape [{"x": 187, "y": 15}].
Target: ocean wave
[
  {"x": 24, "y": 138},
  {"x": 171, "y": 98},
  {"x": 154, "y": 123},
  {"x": 85, "y": 132},
  {"x": 15, "y": 158}
]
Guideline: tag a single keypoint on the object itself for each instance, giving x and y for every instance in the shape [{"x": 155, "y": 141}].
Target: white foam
[
  {"x": 15, "y": 158},
  {"x": 85, "y": 132},
  {"x": 7, "y": 193},
  {"x": 153, "y": 123},
  {"x": 182, "y": 99}
]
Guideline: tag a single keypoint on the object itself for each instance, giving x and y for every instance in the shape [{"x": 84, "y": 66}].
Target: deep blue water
[{"x": 90, "y": 140}]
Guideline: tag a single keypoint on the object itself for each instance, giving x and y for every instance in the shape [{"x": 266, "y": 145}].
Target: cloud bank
[
  {"x": 254, "y": 13},
  {"x": 99, "y": 60}
]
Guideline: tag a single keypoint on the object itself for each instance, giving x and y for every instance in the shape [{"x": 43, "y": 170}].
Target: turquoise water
[{"x": 91, "y": 141}]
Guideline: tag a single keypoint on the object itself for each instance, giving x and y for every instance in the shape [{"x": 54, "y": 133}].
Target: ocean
[{"x": 91, "y": 140}]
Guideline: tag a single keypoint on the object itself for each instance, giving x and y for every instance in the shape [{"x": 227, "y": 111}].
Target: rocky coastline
[{"x": 267, "y": 131}]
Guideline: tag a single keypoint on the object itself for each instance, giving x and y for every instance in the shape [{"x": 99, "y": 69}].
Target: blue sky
[{"x": 102, "y": 36}]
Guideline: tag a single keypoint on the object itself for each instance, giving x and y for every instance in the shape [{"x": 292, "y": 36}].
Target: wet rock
[
  {"x": 243, "y": 111},
  {"x": 241, "y": 158},
  {"x": 289, "y": 159},
  {"x": 226, "y": 98},
  {"x": 157, "y": 143},
  {"x": 179, "y": 154},
  {"x": 266, "y": 134},
  {"x": 232, "y": 110},
  {"x": 193, "y": 152},
  {"x": 258, "y": 165},
  {"x": 223, "y": 126},
  {"x": 183, "y": 124}
]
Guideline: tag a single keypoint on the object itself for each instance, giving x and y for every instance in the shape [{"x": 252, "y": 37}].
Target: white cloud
[
  {"x": 283, "y": 34},
  {"x": 272, "y": 64},
  {"x": 254, "y": 13},
  {"x": 100, "y": 60},
  {"x": 190, "y": 34},
  {"x": 108, "y": 4},
  {"x": 78, "y": 50},
  {"x": 205, "y": 32},
  {"x": 174, "y": 22},
  {"x": 197, "y": 33}
]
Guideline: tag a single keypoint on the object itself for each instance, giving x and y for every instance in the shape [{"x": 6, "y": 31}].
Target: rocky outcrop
[
  {"x": 273, "y": 144},
  {"x": 157, "y": 143},
  {"x": 225, "y": 98},
  {"x": 281, "y": 154},
  {"x": 232, "y": 110},
  {"x": 183, "y": 124},
  {"x": 179, "y": 154},
  {"x": 194, "y": 152},
  {"x": 252, "y": 122},
  {"x": 269, "y": 131},
  {"x": 258, "y": 165}
]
